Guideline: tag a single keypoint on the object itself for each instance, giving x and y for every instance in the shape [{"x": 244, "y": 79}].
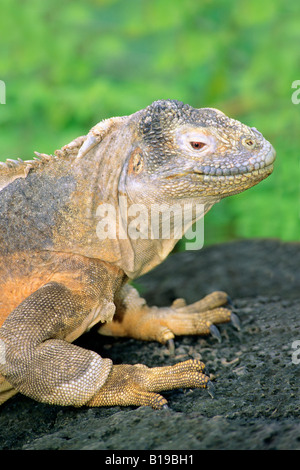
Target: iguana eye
[{"x": 197, "y": 145}]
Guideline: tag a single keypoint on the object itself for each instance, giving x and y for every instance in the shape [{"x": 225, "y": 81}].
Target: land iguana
[{"x": 59, "y": 278}]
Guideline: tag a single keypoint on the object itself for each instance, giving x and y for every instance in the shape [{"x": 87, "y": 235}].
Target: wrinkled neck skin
[
  {"x": 141, "y": 255},
  {"x": 101, "y": 179},
  {"x": 146, "y": 252}
]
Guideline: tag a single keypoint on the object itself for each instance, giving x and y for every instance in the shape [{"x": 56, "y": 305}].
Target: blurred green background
[{"x": 69, "y": 64}]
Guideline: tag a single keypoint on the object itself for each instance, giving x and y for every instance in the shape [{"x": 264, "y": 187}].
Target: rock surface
[{"x": 255, "y": 371}]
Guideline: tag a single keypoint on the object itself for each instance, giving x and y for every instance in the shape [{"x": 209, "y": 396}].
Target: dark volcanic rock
[{"x": 255, "y": 371}]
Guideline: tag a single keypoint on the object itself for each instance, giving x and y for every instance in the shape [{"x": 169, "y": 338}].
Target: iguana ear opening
[
  {"x": 136, "y": 162},
  {"x": 97, "y": 134}
]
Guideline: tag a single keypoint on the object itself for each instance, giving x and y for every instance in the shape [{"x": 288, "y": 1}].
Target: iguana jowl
[{"x": 57, "y": 277}]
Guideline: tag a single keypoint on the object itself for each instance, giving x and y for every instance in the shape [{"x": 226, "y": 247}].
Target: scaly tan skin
[{"x": 59, "y": 277}]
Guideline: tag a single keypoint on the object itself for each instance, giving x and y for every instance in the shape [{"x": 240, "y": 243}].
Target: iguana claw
[
  {"x": 171, "y": 346},
  {"x": 211, "y": 389},
  {"x": 235, "y": 321},
  {"x": 215, "y": 333}
]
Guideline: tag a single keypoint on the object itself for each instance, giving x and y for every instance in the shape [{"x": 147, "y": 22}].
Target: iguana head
[
  {"x": 164, "y": 155},
  {"x": 182, "y": 152}
]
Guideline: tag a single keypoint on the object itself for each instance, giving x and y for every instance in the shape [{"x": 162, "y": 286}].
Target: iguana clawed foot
[
  {"x": 138, "y": 384},
  {"x": 199, "y": 318},
  {"x": 206, "y": 319},
  {"x": 162, "y": 324}
]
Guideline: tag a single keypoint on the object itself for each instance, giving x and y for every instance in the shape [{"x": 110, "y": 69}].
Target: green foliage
[{"x": 69, "y": 64}]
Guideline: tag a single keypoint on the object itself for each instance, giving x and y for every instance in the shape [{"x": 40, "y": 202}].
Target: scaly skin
[{"x": 58, "y": 278}]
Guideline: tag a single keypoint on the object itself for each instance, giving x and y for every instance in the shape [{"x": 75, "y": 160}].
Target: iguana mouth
[
  {"x": 224, "y": 174},
  {"x": 259, "y": 164},
  {"x": 256, "y": 165}
]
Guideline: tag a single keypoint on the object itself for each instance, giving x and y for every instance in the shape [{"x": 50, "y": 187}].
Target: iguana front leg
[
  {"x": 38, "y": 361},
  {"x": 36, "y": 358},
  {"x": 134, "y": 318}
]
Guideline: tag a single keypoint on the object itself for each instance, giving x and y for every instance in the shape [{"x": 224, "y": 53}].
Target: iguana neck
[{"x": 138, "y": 256}]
